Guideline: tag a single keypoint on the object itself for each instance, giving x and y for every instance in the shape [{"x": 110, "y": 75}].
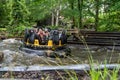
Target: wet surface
[{"x": 80, "y": 54}]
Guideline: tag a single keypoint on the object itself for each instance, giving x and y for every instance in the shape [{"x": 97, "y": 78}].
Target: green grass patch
[{"x": 3, "y": 29}]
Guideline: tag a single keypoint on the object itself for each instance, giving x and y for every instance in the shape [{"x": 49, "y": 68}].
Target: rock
[
  {"x": 2, "y": 38},
  {"x": 6, "y": 75},
  {"x": 20, "y": 75},
  {"x": 8, "y": 56},
  {"x": 1, "y": 56},
  {"x": 11, "y": 41},
  {"x": 86, "y": 77}
]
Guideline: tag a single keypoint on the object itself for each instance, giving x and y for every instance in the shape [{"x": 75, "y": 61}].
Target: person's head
[
  {"x": 40, "y": 30},
  {"x": 46, "y": 30},
  {"x": 31, "y": 31}
]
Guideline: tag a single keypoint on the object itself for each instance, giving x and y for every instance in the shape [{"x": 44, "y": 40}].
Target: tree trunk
[
  {"x": 53, "y": 17},
  {"x": 73, "y": 18},
  {"x": 57, "y": 17},
  {"x": 80, "y": 4},
  {"x": 97, "y": 14}
]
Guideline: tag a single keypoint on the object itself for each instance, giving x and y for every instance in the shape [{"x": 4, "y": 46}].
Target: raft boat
[{"x": 44, "y": 42}]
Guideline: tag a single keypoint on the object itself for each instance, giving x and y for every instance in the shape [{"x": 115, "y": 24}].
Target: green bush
[
  {"x": 15, "y": 31},
  {"x": 109, "y": 28},
  {"x": 53, "y": 27}
]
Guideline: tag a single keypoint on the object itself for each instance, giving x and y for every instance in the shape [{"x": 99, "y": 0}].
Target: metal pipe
[{"x": 77, "y": 67}]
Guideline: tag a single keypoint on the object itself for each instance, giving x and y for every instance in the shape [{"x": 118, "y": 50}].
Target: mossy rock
[{"x": 1, "y": 56}]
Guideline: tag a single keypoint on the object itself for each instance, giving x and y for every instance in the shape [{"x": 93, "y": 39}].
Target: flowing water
[{"x": 80, "y": 54}]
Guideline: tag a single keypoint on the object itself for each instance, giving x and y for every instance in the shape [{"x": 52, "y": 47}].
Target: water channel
[{"x": 80, "y": 54}]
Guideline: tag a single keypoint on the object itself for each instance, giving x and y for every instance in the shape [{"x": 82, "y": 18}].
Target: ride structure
[{"x": 51, "y": 42}]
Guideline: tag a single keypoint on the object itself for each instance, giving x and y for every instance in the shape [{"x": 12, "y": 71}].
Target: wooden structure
[{"x": 94, "y": 38}]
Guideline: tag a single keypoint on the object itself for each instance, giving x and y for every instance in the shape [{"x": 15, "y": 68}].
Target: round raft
[
  {"x": 52, "y": 44},
  {"x": 43, "y": 51}
]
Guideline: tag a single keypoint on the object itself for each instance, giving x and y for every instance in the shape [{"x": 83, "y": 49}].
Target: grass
[
  {"x": 100, "y": 74},
  {"x": 104, "y": 74},
  {"x": 93, "y": 74},
  {"x": 3, "y": 29}
]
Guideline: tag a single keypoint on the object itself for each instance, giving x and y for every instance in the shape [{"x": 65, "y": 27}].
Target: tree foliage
[{"x": 104, "y": 15}]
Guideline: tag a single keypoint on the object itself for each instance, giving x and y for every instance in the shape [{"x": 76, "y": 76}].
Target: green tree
[
  {"x": 80, "y": 8},
  {"x": 18, "y": 16},
  {"x": 96, "y": 14},
  {"x": 3, "y": 14},
  {"x": 110, "y": 19}
]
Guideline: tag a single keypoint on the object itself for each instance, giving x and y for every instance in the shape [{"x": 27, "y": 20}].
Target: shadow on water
[{"x": 13, "y": 56}]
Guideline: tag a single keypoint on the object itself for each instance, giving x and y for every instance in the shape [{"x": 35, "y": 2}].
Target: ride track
[{"x": 81, "y": 69}]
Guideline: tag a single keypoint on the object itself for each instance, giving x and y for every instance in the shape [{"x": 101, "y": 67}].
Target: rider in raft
[{"x": 43, "y": 36}]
